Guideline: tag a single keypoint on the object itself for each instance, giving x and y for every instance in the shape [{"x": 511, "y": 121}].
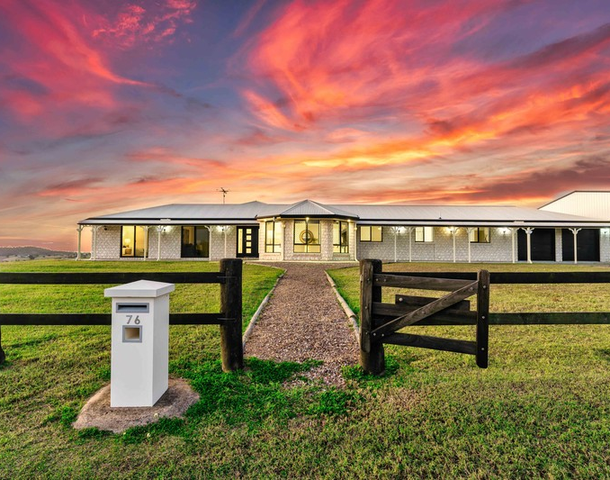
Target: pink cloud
[{"x": 144, "y": 22}]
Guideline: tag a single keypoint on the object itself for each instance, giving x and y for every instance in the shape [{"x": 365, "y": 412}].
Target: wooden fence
[
  {"x": 229, "y": 318},
  {"x": 379, "y": 321}
]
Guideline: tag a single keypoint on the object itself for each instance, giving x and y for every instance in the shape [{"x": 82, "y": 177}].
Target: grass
[{"x": 541, "y": 410}]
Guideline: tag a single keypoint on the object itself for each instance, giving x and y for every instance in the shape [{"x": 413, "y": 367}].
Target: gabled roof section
[{"x": 309, "y": 208}]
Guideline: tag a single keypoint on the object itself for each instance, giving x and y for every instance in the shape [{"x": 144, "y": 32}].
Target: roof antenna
[{"x": 224, "y": 193}]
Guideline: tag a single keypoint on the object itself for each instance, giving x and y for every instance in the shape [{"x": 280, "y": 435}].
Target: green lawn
[{"x": 541, "y": 410}]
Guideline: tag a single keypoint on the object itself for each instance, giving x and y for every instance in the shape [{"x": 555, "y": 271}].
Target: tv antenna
[{"x": 224, "y": 193}]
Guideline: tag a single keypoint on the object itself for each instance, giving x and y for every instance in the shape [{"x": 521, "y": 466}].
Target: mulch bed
[{"x": 304, "y": 321}]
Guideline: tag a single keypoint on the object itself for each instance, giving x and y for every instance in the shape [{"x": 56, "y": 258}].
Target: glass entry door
[{"x": 247, "y": 242}]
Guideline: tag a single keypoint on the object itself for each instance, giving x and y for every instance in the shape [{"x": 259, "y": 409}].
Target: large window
[
  {"x": 341, "y": 237},
  {"x": 306, "y": 236},
  {"x": 371, "y": 234},
  {"x": 424, "y": 234},
  {"x": 273, "y": 237},
  {"x": 133, "y": 241},
  {"x": 195, "y": 242},
  {"x": 479, "y": 235}
]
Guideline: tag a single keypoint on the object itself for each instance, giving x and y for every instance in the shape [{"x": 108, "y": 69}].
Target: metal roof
[
  {"x": 441, "y": 213},
  {"x": 309, "y": 208},
  {"x": 247, "y": 213}
]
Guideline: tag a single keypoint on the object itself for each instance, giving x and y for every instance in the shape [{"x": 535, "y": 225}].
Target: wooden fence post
[
  {"x": 372, "y": 358},
  {"x": 482, "y": 354},
  {"x": 231, "y": 309}
]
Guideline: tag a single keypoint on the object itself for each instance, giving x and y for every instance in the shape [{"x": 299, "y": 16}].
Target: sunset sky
[{"x": 108, "y": 106}]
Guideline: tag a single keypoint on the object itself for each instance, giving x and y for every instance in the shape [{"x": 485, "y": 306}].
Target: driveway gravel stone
[{"x": 304, "y": 321}]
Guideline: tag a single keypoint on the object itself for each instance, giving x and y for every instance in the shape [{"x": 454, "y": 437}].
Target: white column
[
  {"x": 224, "y": 231},
  {"x": 146, "y": 249},
  {"x": 410, "y": 233},
  {"x": 159, "y": 232},
  {"x": 79, "y": 229},
  {"x": 283, "y": 241},
  {"x": 469, "y": 230},
  {"x": 575, "y": 233},
  {"x": 395, "y": 232},
  {"x": 355, "y": 241},
  {"x": 513, "y": 234},
  {"x": 94, "y": 241},
  {"x": 453, "y": 234},
  {"x": 528, "y": 231}
]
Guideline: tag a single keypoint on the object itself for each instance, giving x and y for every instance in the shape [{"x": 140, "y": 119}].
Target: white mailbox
[{"x": 140, "y": 343}]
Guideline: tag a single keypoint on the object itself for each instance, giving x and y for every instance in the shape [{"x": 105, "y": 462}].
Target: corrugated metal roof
[
  {"x": 364, "y": 214},
  {"x": 209, "y": 211},
  {"x": 455, "y": 213}
]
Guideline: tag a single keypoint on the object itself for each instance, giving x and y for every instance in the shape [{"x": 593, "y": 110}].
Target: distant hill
[{"x": 33, "y": 251}]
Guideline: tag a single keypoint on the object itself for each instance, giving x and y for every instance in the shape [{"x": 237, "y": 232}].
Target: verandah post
[
  {"x": 231, "y": 308},
  {"x": 372, "y": 358},
  {"x": 482, "y": 354}
]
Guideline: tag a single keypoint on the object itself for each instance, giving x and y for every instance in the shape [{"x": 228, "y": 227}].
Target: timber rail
[{"x": 229, "y": 277}]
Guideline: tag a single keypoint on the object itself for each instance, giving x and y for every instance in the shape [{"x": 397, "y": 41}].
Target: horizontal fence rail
[
  {"x": 229, "y": 319},
  {"x": 503, "y": 278},
  {"x": 103, "y": 319},
  {"x": 109, "y": 278}
]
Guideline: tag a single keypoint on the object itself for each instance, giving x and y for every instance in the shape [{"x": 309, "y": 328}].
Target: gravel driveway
[{"x": 303, "y": 321}]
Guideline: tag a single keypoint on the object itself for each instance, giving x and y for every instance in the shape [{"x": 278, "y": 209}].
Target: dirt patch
[
  {"x": 304, "y": 321},
  {"x": 98, "y": 413}
]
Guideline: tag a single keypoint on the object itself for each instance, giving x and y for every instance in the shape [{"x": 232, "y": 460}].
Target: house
[{"x": 312, "y": 231}]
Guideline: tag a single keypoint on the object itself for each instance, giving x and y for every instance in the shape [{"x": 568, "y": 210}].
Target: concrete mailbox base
[{"x": 98, "y": 413}]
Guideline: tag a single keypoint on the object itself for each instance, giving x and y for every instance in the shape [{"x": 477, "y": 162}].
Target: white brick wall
[
  {"x": 604, "y": 245},
  {"x": 558, "y": 245},
  {"x": 107, "y": 240},
  {"x": 441, "y": 249},
  {"x": 171, "y": 240},
  {"x": 217, "y": 242}
]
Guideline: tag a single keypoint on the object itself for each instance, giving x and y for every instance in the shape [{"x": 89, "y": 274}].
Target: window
[
  {"x": 133, "y": 241},
  {"x": 424, "y": 234},
  {"x": 479, "y": 235},
  {"x": 273, "y": 236},
  {"x": 306, "y": 236},
  {"x": 341, "y": 237},
  {"x": 195, "y": 242},
  {"x": 371, "y": 234}
]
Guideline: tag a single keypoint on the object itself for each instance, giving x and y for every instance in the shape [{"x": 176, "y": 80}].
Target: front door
[{"x": 247, "y": 242}]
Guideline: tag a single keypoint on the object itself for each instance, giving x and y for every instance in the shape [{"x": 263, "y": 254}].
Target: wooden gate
[{"x": 380, "y": 321}]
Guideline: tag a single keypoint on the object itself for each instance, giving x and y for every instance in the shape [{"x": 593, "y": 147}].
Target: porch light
[
  {"x": 451, "y": 229},
  {"x": 504, "y": 231},
  {"x": 605, "y": 231}
]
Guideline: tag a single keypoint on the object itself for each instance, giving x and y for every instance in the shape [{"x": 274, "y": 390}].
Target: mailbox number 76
[{"x": 135, "y": 320}]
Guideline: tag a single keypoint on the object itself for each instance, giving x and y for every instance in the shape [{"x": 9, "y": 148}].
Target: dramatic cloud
[{"x": 107, "y": 106}]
